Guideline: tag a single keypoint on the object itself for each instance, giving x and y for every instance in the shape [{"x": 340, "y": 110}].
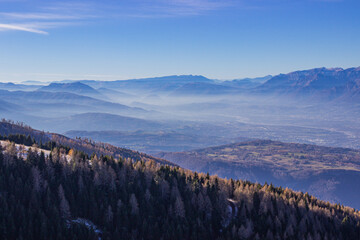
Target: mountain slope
[
  {"x": 161, "y": 84},
  {"x": 17, "y": 87},
  {"x": 48, "y": 196},
  {"x": 102, "y": 121},
  {"x": 75, "y": 87},
  {"x": 37, "y": 101},
  {"x": 6, "y": 106},
  {"x": 85, "y": 145},
  {"x": 152, "y": 141},
  {"x": 247, "y": 83},
  {"x": 322, "y": 83},
  {"x": 113, "y": 94},
  {"x": 329, "y": 173}
]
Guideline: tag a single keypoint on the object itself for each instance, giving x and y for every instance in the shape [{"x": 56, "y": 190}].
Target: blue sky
[{"x": 122, "y": 39}]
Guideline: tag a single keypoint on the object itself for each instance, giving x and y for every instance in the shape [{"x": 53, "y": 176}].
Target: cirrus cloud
[
  {"x": 56, "y": 14},
  {"x": 16, "y": 27}
]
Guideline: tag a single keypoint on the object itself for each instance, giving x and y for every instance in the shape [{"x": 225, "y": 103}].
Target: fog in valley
[
  {"x": 213, "y": 126},
  {"x": 179, "y": 113}
]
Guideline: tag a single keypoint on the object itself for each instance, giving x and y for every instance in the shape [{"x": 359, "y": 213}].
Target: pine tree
[
  {"x": 134, "y": 204},
  {"x": 179, "y": 209},
  {"x": 64, "y": 204}
]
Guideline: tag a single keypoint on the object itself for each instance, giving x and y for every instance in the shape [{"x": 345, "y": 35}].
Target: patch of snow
[
  {"x": 88, "y": 224},
  {"x": 231, "y": 212},
  {"x": 23, "y": 150}
]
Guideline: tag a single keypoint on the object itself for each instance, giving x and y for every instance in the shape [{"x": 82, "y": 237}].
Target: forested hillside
[
  {"x": 10, "y": 128},
  {"x": 328, "y": 173},
  {"x": 47, "y": 196}
]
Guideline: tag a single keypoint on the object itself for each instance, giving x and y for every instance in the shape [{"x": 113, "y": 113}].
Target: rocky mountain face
[{"x": 322, "y": 83}]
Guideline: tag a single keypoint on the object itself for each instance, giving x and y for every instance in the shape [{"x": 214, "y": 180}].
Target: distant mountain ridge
[
  {"x": 327, "y": 83},
  {"x": 35, "y": 99},
  {"x": 17, "y": 86},
  {"x": 247, "y": 83},
  {"x": 74, "y": 87},
  {"x": 322, "y": 83},
  {"x": 160, "y": 84}
]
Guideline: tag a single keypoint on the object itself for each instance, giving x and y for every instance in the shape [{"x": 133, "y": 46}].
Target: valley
[
  {"x": 261, "y": 129},
  {"x": 322, "y": 171},
  {"x": 179, "y": 120},
  {"x": 302, "y": 112}
]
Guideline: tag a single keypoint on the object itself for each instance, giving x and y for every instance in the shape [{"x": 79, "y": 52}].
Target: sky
[{"x": 124, "y": 39}]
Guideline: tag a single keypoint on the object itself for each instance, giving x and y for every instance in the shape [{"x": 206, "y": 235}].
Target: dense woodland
[
  {"x": 49, "y": 197},
  {"x": 24, "y": 134}
]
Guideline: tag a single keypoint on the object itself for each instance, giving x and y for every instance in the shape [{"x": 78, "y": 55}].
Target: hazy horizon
[{"x": 146, "y": 77}]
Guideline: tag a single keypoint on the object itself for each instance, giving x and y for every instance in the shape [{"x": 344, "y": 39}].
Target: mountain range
[
  {"x": 173, "y": 117},
  {"x": 323, "y": 83}
]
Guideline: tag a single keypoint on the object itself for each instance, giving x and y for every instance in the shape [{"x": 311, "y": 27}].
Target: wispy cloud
[
  {"x": 39, "y": 19},
  {"x": 4, "y": 27}
]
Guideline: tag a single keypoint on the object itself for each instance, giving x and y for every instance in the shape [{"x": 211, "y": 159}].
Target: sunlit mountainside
[{"x": 54, "y": 190}]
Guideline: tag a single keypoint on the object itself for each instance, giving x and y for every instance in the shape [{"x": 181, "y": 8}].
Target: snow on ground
[
  {"x": 231, "y": 213},
  {"x": 88, "y": 224},
  {"x": 23, "y": 150}
]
